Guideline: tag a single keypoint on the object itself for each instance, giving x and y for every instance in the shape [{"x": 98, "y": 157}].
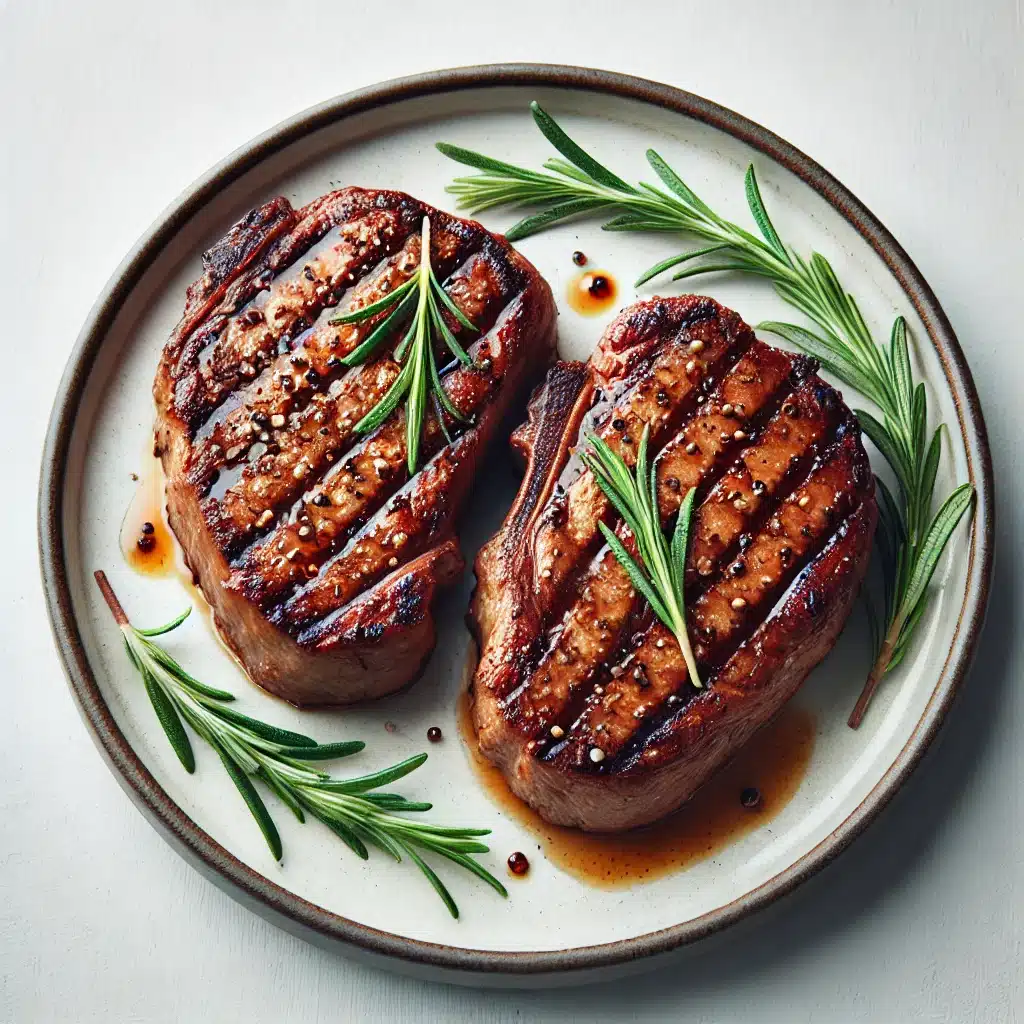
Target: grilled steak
[
  {"x": 318, "y": 554},
  {"x": 581, "y": 696}
]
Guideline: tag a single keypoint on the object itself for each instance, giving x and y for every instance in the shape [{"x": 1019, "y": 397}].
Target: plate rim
[{"x": 316, "y": 923}]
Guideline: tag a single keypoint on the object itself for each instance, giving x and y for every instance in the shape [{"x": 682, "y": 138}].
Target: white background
[{"x": 108, "y": 110}]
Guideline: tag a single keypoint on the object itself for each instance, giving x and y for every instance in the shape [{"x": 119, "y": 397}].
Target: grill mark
[
  {"x": 569, "y": 525},
  {"x": 316, "y": 437},
  {"x": 575, "y": 651},
  {"x": 653, "y": 673},
  {"x": 672, "y": 726},
  {"x": 294, "y": 300},
  {"x": 734, "y": 415},
  {"x": 413, "y": 521},
  {"x": 648, "y": 675},
  {"x": 212, "y": 370},
  {"x": 364, "y": 219},
  {"x": 828, "y": 492},
  {"x": 754, "y": 382},
  {"x": 282, "y": 387},
  {"x": 367, "y": 478},
  {"x": 230, "y": 269},
  {"x": 801, "y": 426},
  {"x": 399, "y": 602},
  {"x": 319, "y": 344}
]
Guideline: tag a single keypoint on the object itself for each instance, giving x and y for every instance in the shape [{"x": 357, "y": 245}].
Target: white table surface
[{"x": 108, "y": 110}]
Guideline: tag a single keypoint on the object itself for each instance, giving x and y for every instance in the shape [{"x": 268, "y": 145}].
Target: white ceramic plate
[{"x": 552, "y": 924}]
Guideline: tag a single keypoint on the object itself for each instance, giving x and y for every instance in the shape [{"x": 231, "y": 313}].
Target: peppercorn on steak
[
  {"x": 318, "y": 552},
  {"x": 581, "y": 696}
]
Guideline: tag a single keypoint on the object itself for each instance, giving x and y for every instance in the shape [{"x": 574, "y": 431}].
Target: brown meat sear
[
  {"x": 318, "y": 553},
  {"x": 580, "y": 691}
]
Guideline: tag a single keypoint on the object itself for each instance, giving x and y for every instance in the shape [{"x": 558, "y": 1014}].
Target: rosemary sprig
[
  {"x": 910, "y": 538},
  {"x": 354, "y": 809},
  {"x": 423, "y": 297},
  {"x": 660, "y": 574}
]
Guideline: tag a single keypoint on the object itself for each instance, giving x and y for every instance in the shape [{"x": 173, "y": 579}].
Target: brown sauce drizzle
[
  {"x": 165, "y": 557},
  {"x": 146, "y": 540},
  {"x": 591, "y": 292},
  {"x": 774, "y": 761}
]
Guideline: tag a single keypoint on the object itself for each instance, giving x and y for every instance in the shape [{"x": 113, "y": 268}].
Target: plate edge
[{"x": 255, "y": 889}]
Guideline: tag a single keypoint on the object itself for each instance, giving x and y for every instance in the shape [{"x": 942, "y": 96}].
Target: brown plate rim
[{"x": 314, "y": 922}]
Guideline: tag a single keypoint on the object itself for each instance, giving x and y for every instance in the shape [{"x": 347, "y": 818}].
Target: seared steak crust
[
  {"x": 318, "y": 554},
  {"x": 581, "y": 695}
]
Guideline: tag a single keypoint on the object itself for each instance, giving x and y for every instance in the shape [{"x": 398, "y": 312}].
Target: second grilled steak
[
  {"x": 581, "y": 696},
  {"x": 318, "y": 554}
]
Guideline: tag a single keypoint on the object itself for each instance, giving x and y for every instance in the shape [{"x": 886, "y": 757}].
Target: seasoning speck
[
  {"x": 596, "y": 755},
  {"x": 579, "y": 258},
  {"x": 750, "y": 797}
]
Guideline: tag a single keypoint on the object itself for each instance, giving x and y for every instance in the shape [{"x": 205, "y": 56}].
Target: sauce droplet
[
  {"x": 777, "y": 757},
  {"x": 146, "y": 541},
  {"x": 518, "y": 864},
  {"x": 592, "y": 292},
  {"x": 434, "y": 734},
  {"x": 579, "y": 258}
]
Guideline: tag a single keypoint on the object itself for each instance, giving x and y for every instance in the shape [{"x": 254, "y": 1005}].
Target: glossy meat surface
[
  {"x": 318, "y": 554},
  {"x": 581, "y": 696}
]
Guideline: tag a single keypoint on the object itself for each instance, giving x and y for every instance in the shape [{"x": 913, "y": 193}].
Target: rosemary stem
[
  {"x": 875, "y": 677},
  {"x": 843, "y": 343},
  {"x": 120, "y": 617}
]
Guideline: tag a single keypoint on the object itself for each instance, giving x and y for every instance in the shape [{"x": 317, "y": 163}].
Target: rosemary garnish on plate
[
  {"x": 354, "y": 809},
  {"x": 660, "y": 574},
  {"x": 910, "y": 538},
  {"x": 422, "y": 297}
]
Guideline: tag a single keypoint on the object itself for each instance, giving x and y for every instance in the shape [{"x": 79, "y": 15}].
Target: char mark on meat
[
  {"x": 581, "y": 695},
  {"x": 319, "y": 555}
]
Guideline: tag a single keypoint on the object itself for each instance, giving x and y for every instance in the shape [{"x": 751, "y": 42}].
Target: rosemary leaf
[
  {"x": 173, "y": 624},
  {"x": 284, "y": 761},
  {"x": 382, "y": 778},
  {"x": 382, "y": 331},
  {"x": 171, "y": 723},
  {"x": 942, "y": 526},
  {"x": 253, "y": 801},
  {"x": 422, "y": 301},
  {"x": 659, "y": 573},
  {"x": 760, "y": 214},
  {"x": 552, "y": 215},
  {"x": 324, "y": 751},
  {"x": 573, "y": 153},
  {"x": 883, "y": 373},
  {"x": 363, "y": 313}
]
